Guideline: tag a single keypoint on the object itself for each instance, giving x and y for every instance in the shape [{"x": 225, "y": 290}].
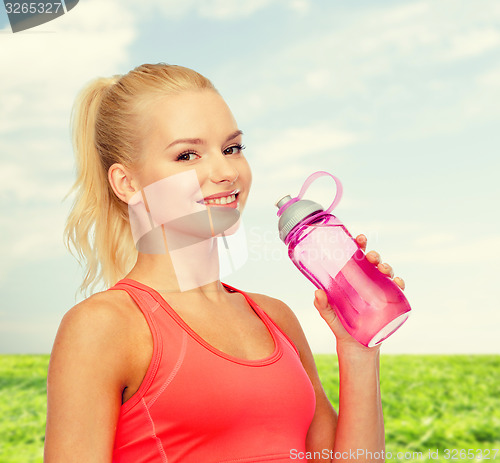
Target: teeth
[{"x": 221, "y": 201}]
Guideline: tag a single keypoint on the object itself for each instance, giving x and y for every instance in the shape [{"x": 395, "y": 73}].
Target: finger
[
  {"x": 374, "y": 257},
  {"x": 387, "y": 269},
  {"x": 400, "y": 282},
  {"x": 361, "y": 240},
  {"x": 324, "y": 309},
  {"x": 320, "y": 299}
]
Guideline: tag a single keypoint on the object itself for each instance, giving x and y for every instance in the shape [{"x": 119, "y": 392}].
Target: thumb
[
  {"x": 324, "y": 308},
  {"x": 328, "y": 314}
]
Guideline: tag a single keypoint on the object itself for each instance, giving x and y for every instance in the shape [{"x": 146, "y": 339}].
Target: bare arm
[
  {"x": 360, "y": 430},
  {"x": 85, "y": 382},
  {"x": 359, "y": 434}
]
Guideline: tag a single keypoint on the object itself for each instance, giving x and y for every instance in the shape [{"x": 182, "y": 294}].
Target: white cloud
[
  {"x": 11, "y": 104},
  {"x": 426, "y": 31},
  {"x": 397, "y": 14},
  {"x": 408, "y": 64},
  {"x": 480, "y": 250},
  {"x": 371, "y": 51},
  {"x": 319, "y": 78},
  {"x": 474, "y": 43},
  {"x": 219, "y": 10},
  {"x": 31, "y": 234},
  {"x": 43, "y": 70},
  {"x": 227, "y": 9},
  {"x": 435, "y": 239},
  {"x": 284, "y": 158},
  {"x": 299, "y": 6},
  {"x": 490, "y": 78},
  {"x": 38, "y": 167},
  {"x": 23, "y": 185},
  {"x": 302, "y": 143}
]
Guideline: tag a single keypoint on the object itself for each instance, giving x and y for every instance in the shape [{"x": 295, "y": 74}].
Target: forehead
[{"x": 199, "y": 113}]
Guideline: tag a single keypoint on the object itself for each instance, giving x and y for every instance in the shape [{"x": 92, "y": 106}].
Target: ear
[{"x": 122, "y": 182}]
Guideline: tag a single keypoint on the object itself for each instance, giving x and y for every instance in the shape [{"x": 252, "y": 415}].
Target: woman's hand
[{"x": 328, "y": 313}]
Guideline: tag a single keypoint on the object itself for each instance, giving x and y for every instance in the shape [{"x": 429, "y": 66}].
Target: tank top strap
[
  {"x": 144, "y": 299},
  {"x": 148, "y": 306}
]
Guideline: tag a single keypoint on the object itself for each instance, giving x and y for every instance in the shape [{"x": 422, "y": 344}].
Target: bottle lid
[
  {"x": 292, "y": 211},
  {"x": 295, "y": 213}
]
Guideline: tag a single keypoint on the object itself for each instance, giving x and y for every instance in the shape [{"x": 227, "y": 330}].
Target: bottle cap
[{"x": 294, "y": 213}]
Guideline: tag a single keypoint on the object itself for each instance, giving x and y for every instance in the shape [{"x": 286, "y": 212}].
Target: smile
[
  {"x": 221, "y": 201},
  {"x": 230, "y": 199}
]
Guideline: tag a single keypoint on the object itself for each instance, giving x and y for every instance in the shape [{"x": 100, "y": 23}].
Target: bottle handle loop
[{"x": 311, "y": 179}]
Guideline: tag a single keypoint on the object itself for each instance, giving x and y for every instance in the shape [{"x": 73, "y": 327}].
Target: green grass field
[{"x": 446, "y": 404}]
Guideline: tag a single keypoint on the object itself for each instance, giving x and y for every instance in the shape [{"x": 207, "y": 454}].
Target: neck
[{"x": 190, "y": 269}]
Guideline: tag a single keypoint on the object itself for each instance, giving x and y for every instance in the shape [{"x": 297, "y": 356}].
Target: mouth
[{"x": 229, "y": 199}]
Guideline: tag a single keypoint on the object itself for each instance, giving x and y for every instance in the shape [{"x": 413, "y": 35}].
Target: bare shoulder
[
  {"x": 275, "y": 308},
  {"x": 101, "y": 325},
  {"x": 106, "y": 310},
  {"x": 103, "y": 338},
  {"x": 104, "y": 302}
]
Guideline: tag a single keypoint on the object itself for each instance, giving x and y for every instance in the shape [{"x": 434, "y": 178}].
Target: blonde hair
[{"x": 105, "y": 120}]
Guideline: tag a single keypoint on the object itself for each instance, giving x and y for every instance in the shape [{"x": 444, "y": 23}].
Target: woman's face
[{"x": 192, "y": 149}]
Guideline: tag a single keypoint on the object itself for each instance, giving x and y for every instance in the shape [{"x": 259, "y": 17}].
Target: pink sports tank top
[{"x": 197, "y": 404}]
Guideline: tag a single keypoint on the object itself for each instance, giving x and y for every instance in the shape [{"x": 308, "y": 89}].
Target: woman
[{"x": 170, "y": 364}]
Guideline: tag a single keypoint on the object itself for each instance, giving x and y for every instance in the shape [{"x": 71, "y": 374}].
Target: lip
[{"x": 221, "y": 195}]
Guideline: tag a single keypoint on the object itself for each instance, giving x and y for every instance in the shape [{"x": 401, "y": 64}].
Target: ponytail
[{"x": 97, "y": 226}]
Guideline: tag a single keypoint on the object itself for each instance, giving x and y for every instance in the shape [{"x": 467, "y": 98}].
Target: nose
[{"x": 222, "y": 170}]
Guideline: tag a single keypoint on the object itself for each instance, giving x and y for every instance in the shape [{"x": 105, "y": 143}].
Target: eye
[
  {"x": 186, "y": 156},
  {"x": 234, "y": 149}
]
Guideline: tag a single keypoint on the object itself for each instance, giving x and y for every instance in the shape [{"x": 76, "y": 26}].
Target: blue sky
[{"x": 397, "y": 99}]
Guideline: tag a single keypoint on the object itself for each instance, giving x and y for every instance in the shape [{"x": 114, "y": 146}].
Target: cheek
[
  {"x": 151, "y": 173},
  {"x": 173, "y": 197},
  {"x": 245, "y": 174}
]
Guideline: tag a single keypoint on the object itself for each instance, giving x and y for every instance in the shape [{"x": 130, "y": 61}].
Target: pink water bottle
[{"x": 368, "y": 303}]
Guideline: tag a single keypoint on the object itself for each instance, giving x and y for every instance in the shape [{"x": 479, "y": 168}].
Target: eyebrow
[{"x": 199, "y": 141}]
